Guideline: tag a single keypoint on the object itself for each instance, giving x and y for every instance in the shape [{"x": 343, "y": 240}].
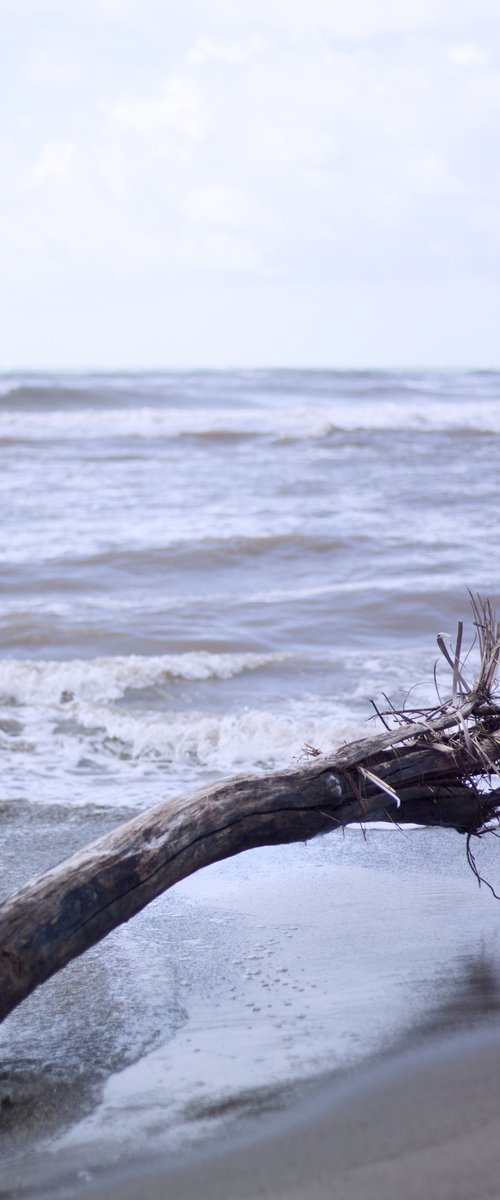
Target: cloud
[
  {"x": 56, "y": 71},
  {"x": 304, "y": 142},
  {"x": 225, "y": 51},
  {"x": 173, "y": 107},
  {"x": 53, "y": 162},
  {"x": 467, "y": 54},
  {"x": 360, "y": 20},
  {"x": 431, "y": 175}
]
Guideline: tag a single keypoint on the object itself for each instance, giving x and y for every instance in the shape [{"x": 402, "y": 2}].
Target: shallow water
[
  {"x": 201, "y": 573},
  {"x": 227, "y": 997}
]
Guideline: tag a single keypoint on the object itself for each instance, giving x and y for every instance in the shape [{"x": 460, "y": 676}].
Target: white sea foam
[
  {"x": 28, "y": 681},
  {"x": 66, "y": 728},
  {"x": 67, "y": 719},
  {"x": 280, "y": 421},
  {"x": 248, "y": 739},
  {"x": 99, "y": 754}
]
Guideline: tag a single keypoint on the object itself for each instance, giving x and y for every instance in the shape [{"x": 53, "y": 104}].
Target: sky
[{"x": 271, "y": 183}]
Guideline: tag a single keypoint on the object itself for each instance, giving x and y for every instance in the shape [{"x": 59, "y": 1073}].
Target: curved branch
[{"x": 426, "y": 772}]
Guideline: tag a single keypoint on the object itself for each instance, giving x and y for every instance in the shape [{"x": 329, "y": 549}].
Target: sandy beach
[
  {"x": 340, "y": 1036},
  {"x": 423, "y": 1125}
]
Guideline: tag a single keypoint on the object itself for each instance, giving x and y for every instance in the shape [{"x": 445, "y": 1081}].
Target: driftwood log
[{"x": 432, "y": 768}]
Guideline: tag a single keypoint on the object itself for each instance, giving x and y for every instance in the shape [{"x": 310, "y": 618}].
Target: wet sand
[
  {"x": 312, "y": 993},
  {"x": 421, "y": 1125}
]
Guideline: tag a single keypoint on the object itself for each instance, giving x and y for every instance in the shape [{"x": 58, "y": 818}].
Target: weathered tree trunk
[
  {"x": 423, "y": 772},
  {"x": 71, "y": 907}
]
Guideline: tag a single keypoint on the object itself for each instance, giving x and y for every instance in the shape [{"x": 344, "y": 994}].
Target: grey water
[{"x": 202, "y": 573}]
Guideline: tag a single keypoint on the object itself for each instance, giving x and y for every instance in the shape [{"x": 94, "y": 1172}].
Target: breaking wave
[
  {"x": 308, "y": 421},
  {"x": 222, "y": 744},
  {"x": 27, "y": 681},
  {"x": 69, "y": 737}
]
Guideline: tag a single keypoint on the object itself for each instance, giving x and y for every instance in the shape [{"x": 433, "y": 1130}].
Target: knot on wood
[{"x": 333, "y": 784}]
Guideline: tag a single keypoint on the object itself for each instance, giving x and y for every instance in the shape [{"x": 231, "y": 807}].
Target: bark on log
[
  {"x": 421, "y": 773},
  {"x": 74, "y": 905}
]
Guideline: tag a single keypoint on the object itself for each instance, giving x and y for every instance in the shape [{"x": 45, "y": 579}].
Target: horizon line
[{"x": 118, "y": 369}]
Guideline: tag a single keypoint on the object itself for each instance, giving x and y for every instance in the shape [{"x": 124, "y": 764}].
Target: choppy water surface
[
  {"x": 199, "y": 574},
  {"x": 202, "y": 572}
]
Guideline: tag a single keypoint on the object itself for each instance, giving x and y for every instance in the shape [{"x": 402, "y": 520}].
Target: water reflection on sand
[{"x": 227, "y": 996}]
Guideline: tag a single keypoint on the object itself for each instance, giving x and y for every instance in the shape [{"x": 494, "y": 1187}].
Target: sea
[{"x": 202, "y": 574}]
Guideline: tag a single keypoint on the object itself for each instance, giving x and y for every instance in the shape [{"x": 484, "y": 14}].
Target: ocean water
[{"x": 202, "y": 574}]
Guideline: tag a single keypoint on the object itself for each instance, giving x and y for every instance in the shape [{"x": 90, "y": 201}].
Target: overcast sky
[{"x": 278, "y": 182}]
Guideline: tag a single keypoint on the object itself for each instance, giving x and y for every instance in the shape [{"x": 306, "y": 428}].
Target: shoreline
[
  {"x": 306, "y": 977},
  {"x": 296, "y": 1024},
  {"x": 419, "y": 1123}
]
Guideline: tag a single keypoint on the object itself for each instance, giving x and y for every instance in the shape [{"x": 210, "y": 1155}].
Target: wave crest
[
  {"x": 28, "y": 681},
  {"x": 292, "y": 423}
]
